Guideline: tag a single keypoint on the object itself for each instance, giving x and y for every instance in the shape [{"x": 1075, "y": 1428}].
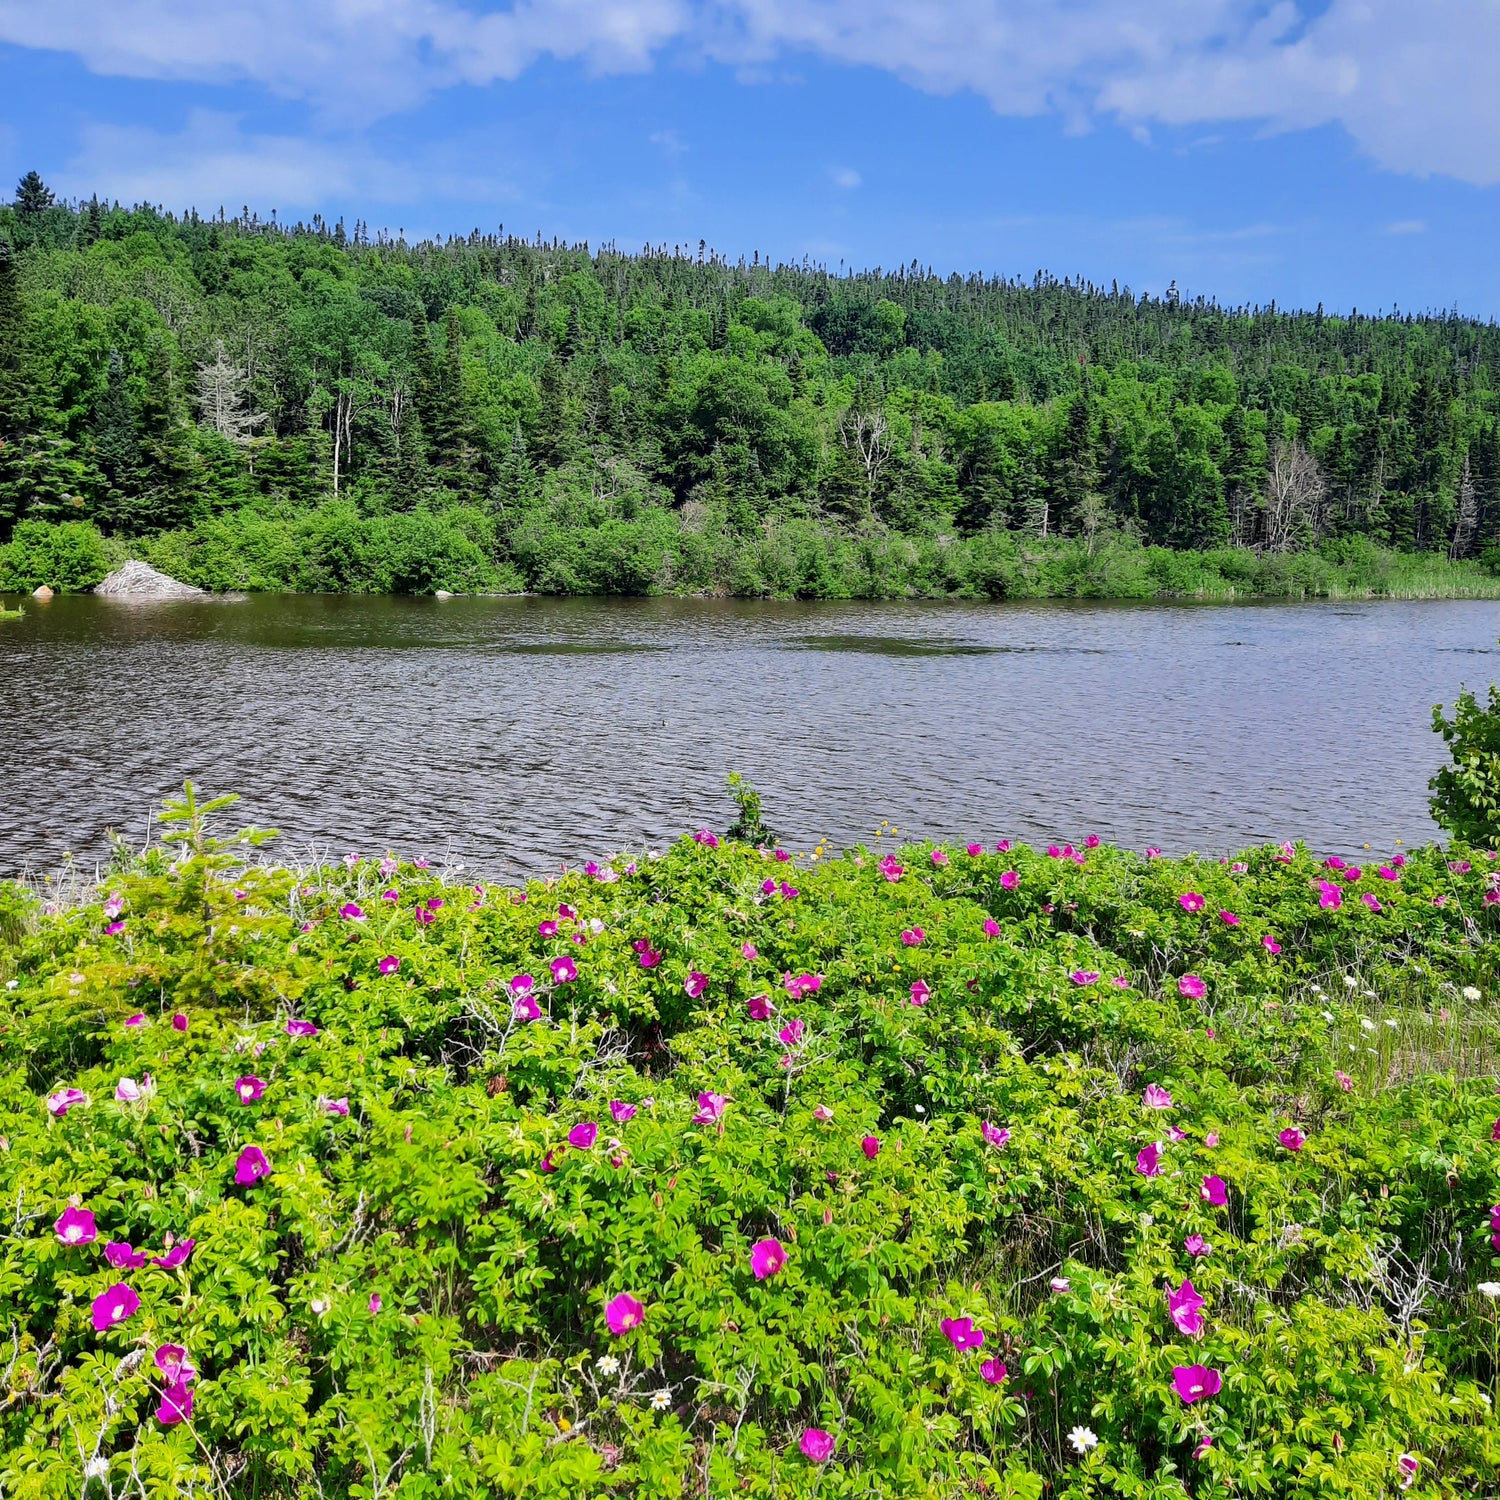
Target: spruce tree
[
  {"x": 116, "y": 448},
  {"x": 33, "y": 196}
]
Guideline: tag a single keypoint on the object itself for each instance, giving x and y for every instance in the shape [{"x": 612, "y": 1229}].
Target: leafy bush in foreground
[{"x": 926, "y": 1171}]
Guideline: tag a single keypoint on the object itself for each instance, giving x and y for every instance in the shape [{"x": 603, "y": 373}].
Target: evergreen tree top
[{"x": 33, "y": 195}]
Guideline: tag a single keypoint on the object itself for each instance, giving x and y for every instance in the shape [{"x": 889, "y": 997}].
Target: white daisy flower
[{"x": 1082, "y": 1439}]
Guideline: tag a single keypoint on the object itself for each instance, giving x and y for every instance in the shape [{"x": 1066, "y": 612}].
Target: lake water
[{"x": 518, "y": 733}]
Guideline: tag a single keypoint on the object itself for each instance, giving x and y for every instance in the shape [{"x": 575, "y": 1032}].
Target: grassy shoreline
[
  {"x": 336, "y": 550},
  {"x": 712, "y": 1169}
]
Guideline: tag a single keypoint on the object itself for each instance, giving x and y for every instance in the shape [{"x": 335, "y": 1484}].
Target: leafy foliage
[
  {"x": 400, "y": 1153},
  {"x": 228, "y": 393},
  {"x": 1466, "y": 793}
]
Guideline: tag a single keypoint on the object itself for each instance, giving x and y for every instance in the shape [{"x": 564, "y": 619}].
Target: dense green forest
[{"x": 253, "y": 404}]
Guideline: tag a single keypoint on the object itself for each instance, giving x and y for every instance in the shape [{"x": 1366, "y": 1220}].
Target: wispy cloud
[
  {"x": 846, "y": 178},
  {"x": 1407, "y": 226},
  {"x": 213, "y": 162},
  {"x": 669, "y": 141},
  {"x": 1411, "y": 83}
]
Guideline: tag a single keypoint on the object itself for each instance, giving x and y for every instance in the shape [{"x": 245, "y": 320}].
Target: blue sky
[{"x": 1344, "y": 151}]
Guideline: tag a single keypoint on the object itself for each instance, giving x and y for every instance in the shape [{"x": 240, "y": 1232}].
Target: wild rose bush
[{"x": 919, "y": 1171}]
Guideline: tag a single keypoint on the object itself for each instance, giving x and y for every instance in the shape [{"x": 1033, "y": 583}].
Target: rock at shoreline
[
  {"x": 138, "y": 580},
  {"x": 41, "y": 592}
]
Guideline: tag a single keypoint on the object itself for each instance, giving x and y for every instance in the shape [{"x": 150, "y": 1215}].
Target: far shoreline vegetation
[{"x": 252, "y": 406}]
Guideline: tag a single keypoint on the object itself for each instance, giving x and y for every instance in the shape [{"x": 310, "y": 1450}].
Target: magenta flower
[
  {"x": 75, "y": 1226},
  {"x": 974, "y": 849},
  {"x": 352, "y": 912},
  {"x": 173, "y": 1362},
  {"x": 1211, "y": 1139},
  {"x": 179, "y": 1022},
  {"x": 939, "y": 857},
  {"x": 802, "y": 984},
  {"x": 1084, "y": 976},
  {"x": 1156, "y": 1097},
  {"x": 249, "y": 1088},
  {"x": 648, "y": 956},
  {"x": 521, "y": 984},
  {"x": 1009, "y": 880},
  {"x": 301, "y": 1028},
  {"x": 695, "y": 984},
  {"x": 566, "y": 912},
  {"x": 1191, "y": 901},
  {"x": 993, "y": 1371},
  {"x": 1191, "y": 987},
  {"x": 1372, "y": 901},
  {"x": 564, "y": 970},
  {"x": 962, "y": 1334},
  {"x": 1270, "y": 945},
  {"x": 621, "y": 1112},
  {"x": 920, "y": 994},
  {"x": 767, "y": 1257},
  {"x": 114, "y": 1305},
  {"x": 1344, "y": 1081},
  {"x": 251, "y": 1166},
  {"x": 176, "y": 1404},
  {"x": 1060, "y": 1284},
  {"x": 583, "y": 1135},
  {"x": 991, "y": 927},
  {"x": 707, "y": 839},
  {"x": 791, "y": 1033},
  {"x": 138, "y": 1019},
  {"x": 1460, "y": 866},
  {"x": 1174, "y": 1134},
  {"x": 1194, "y": 1382},
  {"x": 1214, "y": 1190},
  {"x": 623, "y": 1313},
  {"x": 767, "y": 887},
  {"x": 390, "y": 895},
  {"x": 548, "y": 1165},
  {"x": 1120, "y": 982},
  {"x": 711, "y": 1108},
  {"x": 1092, "y": 841},
  {"x": 1292, "y": 1138},
  {"x": 547, "y": 929},
  {"x": 122, "y": 1258},
  {"x": 823, "y": 1114},
  {"x": 912, "y": 936},
  {"x": 870, "y": 1146},
  {"x": 891, "y": 868},
  {"x": 759, "y": 1007},
  {"x": 1229, "y": 919},
  {"x": 1196, "y": 1245},
  {"x": 169, "y": 1260},
  {"x": 338, "y": 1107},
  {"x": 375, "y": 1304},
  {"x": 389, "y": 964},
  {"x": 994, "y": 1135},
  {"x": 1003, "y": 847},
  {"x": 60, "y": 1102},
  {"x": 1148, "y": 1160},
  {"x": 425, "y": 918},
  {"x": 749, "y": 951},
  {"x": 1185, "y": 1308},
  {"x": 1330, "y": 897},
  {"x": 114, "y": 929},
  {"x": 1152, "y": 852},
  {"x": 435, "y": 903},
  {"x": 526, "y": 1009},
  {"x": 816, "y": 1445}
]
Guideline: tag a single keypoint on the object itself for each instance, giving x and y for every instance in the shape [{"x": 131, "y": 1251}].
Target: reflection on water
[{"x": 523, "y": 732}]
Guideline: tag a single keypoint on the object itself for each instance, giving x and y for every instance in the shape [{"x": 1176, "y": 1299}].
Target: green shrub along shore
[
  {"x": 334, "y": 549},
  {"x": 730, "y": 1169}
]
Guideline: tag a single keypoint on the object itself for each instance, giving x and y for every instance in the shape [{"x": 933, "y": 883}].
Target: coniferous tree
[
  {"x": 15, "y": 404},
  {"x": 33, "y": 196},
  {"x": 116, "y": 449}
]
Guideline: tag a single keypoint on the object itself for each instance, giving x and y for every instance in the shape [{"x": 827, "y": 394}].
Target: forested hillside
[{"x": 529, "y": 413}]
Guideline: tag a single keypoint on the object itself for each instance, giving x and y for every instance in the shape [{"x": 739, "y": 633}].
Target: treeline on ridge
[{"x": 226, "y": 394}]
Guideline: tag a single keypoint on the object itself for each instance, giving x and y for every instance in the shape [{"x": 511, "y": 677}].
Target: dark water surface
[{"x": 521, "y": 732}]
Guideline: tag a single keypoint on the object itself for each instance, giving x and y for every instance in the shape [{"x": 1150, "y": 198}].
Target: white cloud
[
  {"x": 212, "y": 162},
  {"x": 845, "y": 177},
  {"x": 1407, "y": 226},
  {"x": 669, "y": 141},
  {"x": 1410, "y": 80}
]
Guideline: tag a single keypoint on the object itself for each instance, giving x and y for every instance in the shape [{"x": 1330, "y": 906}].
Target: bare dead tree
[
  {"x": 866, "y": 433},
  {"x": 224, "y": 397},
  {"x": 1466, "y": 522},
  {"x": 1295, "y": 495}
]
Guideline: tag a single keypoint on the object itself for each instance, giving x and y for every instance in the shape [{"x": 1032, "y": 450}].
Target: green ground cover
[{"x": 959, "y": 1170}]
